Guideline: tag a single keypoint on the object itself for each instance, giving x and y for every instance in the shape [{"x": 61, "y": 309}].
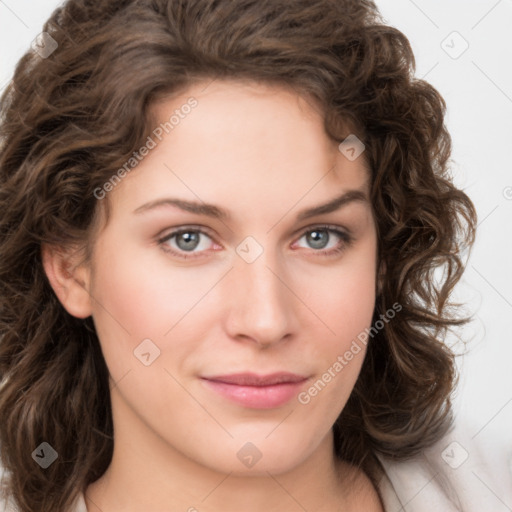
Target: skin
[{"x": 260, "y": 152}]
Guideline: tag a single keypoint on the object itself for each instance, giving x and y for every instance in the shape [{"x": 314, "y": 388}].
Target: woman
[{"x": 217, "y": 267}]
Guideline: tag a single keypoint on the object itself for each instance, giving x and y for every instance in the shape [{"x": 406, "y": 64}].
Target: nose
[{"x": 261, "y": 305}]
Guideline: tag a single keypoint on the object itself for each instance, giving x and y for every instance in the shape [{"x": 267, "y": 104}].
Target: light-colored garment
[
  {"x": 391, "y": 500},
  {"x": 469, "y": 470}
]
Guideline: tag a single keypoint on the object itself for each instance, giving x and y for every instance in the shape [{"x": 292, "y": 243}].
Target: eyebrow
[{"x": 211, "y": 210}]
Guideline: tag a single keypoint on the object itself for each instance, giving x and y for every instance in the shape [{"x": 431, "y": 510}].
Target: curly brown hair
[{"x": 70, "y": 120}]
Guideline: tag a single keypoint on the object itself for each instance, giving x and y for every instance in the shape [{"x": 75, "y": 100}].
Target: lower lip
[{"x": 257, "y": 397}]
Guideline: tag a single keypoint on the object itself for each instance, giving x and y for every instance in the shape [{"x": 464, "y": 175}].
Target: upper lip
[{"x": 252, "y": 379}]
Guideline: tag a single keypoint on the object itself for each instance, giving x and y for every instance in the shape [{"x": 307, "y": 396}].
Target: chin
[{"x": 256, "y": 458}]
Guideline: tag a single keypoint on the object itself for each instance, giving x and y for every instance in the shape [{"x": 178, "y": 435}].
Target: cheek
[
  {"x": 343, "y": 298},
  {"x": 339, "y": 356},
  {"x": 139, "y": 298},
  {"x": 344, "y": 301}
]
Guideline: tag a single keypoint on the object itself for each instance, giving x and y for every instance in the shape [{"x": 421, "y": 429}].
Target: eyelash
[{"x": 345, "y": 238}]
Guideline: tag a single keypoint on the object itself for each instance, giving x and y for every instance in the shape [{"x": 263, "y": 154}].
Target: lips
[
  {"x": 256, "y": 391},
  {"x": 251, "y": 379}
]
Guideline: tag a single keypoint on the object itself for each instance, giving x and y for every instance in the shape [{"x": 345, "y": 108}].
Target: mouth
[{"x": 257, "y": 391}]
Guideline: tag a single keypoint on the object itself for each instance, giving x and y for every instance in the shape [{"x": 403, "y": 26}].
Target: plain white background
[{"x": 464, "y": 49}]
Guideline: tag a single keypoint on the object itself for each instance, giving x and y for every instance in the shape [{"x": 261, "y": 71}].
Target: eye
[
  {"x": 189, "y": 242},
  {"x": 321, "y": 239},
  {"x": 185, "y": 240}
]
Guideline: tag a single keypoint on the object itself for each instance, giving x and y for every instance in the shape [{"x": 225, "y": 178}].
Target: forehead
[
  {"x": 229, "y": 107},
  {"x": 242, "y": 144}
]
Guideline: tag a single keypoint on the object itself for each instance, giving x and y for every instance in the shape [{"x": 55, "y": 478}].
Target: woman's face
[{"x": 258, "y": 282}]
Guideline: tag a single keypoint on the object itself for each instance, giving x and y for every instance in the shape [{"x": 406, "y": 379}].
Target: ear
[{"x": 70, "y": 280}]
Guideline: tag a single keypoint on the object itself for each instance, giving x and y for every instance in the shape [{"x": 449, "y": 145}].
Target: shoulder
[{"x": 456, "y": 473}]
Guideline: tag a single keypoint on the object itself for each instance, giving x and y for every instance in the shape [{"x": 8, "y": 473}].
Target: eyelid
[
  {"x": 207, "y": 231},
  {"x": 183, "y": 227}
]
